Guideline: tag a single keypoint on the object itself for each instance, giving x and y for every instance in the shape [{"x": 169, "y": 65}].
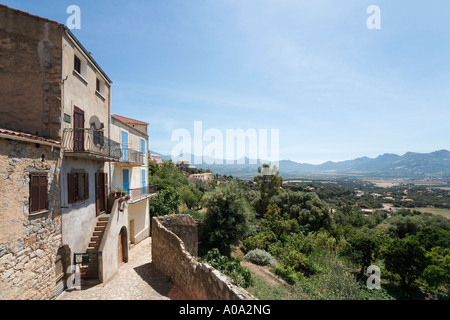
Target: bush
[
  {"x": 230, "y": 267},
  {"x": 288, "y": 274},
  {"x": 261, "y": 257}
]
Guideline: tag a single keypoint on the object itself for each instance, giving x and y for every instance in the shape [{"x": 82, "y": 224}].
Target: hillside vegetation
[{"x": 315, "y": 236}]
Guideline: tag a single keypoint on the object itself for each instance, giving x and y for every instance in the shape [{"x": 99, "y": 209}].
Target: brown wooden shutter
[
  {"x": 38, "y": 192},
  {"x": 71, "y": 187},
  {"x": 34, "y": 193},
  {"x": 43, "y": 192},
  {"x": 97, "y": 193},
  {"x": 105, "y": 192},
  {"x": 86, "y": 186}
]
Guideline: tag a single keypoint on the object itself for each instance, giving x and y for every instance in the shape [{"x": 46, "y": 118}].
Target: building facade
[
  {"x": 131, "y": 174},
  {"x": 55, "y": 93}
]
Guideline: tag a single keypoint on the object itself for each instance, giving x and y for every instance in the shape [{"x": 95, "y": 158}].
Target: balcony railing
[
  {"x": 138, "y": 193},
  {"x": 89, "y": 142},
  {"x": 132, "y": 156}
]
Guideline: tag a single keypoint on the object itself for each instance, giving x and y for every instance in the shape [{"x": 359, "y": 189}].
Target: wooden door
[
  {"x": 120, "y": 247},
  {"x": 78, "y": 126},
  {"x": 101, "y": 192}
]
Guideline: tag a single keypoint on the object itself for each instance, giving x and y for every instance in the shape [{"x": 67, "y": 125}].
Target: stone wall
[
  {"x": 30, "y": 74},
  {"x": 174, "y": 240},
  {"x": 28, "y": 243}
]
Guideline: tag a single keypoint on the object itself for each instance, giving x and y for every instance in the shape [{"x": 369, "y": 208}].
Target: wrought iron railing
[
  {"x": 133, "y": 156},
  {"x": 90, "y": 141},
  {"x": 137, "y": 193},
  {"x": 88, "y": 263}
]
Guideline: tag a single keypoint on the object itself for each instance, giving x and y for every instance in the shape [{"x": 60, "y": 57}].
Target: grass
[
  {"x": 335, "y": 280},
  {"x": 436, "y": 211}
]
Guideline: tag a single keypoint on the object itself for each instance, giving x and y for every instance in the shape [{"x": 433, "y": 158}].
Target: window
[
  {"x": 97, "y": 85},
  {"x": 77, "y": 64},
  {"x": 38, "y": 192},
  {"x": 78, "y": 187}
]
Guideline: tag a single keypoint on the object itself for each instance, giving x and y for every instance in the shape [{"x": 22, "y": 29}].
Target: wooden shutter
[
  {"x": 78, "y": 126},
  {"x": 97, "y": 193},
  {"x": 43, "y": 192},
  {"x": 71, "y": 187},
  {"x": 105, "y": 191},
  {"x": 86, "y": 186},
  {"x": 38, "y": 192},
  {"x": 34, "y": 193}
]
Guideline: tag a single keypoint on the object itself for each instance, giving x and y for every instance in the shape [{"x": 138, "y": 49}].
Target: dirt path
[{"x": 263, "y": 272}]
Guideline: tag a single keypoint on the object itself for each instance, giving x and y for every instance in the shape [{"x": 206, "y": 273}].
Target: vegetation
[{"x": 315, "y": 235}]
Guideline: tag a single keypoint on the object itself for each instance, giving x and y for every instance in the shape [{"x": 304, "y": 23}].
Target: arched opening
[{"x": 122, "y": 246}]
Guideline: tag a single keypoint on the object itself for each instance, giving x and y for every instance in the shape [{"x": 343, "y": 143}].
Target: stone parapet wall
[{"x": 172, "y": 257}]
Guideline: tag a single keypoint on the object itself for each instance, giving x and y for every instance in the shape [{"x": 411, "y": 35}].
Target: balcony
[
  {"x": 139, "y": 194},
  {"x": 132, "y": 158},
  {"x": 88, "y": 144}
]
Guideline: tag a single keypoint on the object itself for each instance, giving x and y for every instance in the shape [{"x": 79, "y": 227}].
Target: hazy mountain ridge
[{"x": 411, "y": 164}]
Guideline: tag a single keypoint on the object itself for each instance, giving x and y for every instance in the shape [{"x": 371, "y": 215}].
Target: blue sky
[{"x": 312, "y": 69}]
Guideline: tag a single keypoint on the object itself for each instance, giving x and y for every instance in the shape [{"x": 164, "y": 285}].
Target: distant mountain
[{"x": 434, "y": 164}]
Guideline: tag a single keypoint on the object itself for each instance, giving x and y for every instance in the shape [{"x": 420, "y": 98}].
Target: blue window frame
[
  {"x": 124, "y": 139},
  {"x": 126, "y": 179}
]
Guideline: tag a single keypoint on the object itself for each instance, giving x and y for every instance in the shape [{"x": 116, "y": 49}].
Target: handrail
[{"x": 90, "y": 141}]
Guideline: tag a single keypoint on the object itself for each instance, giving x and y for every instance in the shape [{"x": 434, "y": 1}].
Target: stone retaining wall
[{"x": 174, "y": 246}]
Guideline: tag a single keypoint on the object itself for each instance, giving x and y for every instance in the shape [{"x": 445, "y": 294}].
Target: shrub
[
  {"x": 230, "y": 267},
  {"x": 261, "y": 257},
  {"x": 288, "y": 274}
]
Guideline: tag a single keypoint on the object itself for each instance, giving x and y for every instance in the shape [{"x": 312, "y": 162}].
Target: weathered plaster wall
[
  {"x": 108, "y": 251},
  {"x": 139, "y": 212},
  {"x": 28, "y": 243},
  {"x": 81, "y": 91},
  {"x": 173, "y": 257},
  {"x": 79, "y": 219},
  {"x": 30, "y": 74}
]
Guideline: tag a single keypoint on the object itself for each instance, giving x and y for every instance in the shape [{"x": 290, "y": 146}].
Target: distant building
[
  {"x": 156, "y": 159},
  {"x": 202, "y": 176}
]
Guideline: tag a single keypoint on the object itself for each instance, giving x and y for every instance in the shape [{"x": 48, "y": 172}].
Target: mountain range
[{"x": 411, "y": 164}]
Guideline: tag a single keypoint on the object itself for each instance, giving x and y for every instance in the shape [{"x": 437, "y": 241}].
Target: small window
[
  {"x": 78, "y": 187},
  {"x": 77, "y": 64},
  {"x": 38, "y": 192},
  {"x": 97, "y": 85}
]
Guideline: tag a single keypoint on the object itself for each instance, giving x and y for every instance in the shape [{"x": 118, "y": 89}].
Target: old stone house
[
  {"x": 54, "y": 90},
  {"x": 30, "y": 217}
]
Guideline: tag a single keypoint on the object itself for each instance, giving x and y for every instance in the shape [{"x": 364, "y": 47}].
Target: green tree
[
  {"x": 360, "y": 249},
  {"x": 306, "y": 207},
  {"x": 227, "y": 218},
  {"x": 165, "y": 203},
  {"x": 406, "y": 258},
  {"x": 269, "y": 183},
  {"x": 190, "y": 196},
  {"x": 169, "y": 174},
  {"x": 438, "y": 271}
]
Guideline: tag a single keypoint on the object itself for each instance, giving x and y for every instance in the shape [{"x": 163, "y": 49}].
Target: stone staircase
[
  {"x": 89, "y": 271},
  {"x": 97, "y": 236}
]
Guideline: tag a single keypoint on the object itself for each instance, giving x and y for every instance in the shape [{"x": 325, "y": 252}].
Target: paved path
[{"x": 136, "y": 280}]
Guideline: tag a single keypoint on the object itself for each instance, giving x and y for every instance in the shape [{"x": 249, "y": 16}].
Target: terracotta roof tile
[
  {"x": 129, "y": 120},
  {"x": 26, "y": 135}
]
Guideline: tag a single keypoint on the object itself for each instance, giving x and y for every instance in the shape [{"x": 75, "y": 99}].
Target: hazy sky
[{"x": 335, "y": 89}]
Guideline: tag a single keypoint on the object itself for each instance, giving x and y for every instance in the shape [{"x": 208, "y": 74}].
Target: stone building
[
  {"x": 52, "y": 88},
  {"x": 31, "y": 259}
]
